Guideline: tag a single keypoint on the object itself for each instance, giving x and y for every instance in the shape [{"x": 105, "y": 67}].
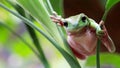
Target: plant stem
[
  {"x": 104, "y": 15},
  {"x": 49, "y": 6},
  {"x": 98, "y": 53},
  {"x": 38, "y": 46},
  {"x": 36, "y": 42}
]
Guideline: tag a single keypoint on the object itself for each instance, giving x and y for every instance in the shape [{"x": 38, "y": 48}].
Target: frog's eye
[
  {"x": 83, "y": 18},
  {"x": 65, "y": 24}
]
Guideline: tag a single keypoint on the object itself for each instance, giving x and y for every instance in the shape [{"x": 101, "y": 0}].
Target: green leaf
[
  {"x": 32, "y": 34},
  {"x": 36, "y": 7},
  {"x": 61, "y": 30},
  {"x": 38, "y": 10},
  {"x": 54, "y": 5},
  {"x": 57, "y": 6},
  {"x": 110, "y": 4},
  {"x": 106, "y": 59},
  {"x": 73, "y": 63}
]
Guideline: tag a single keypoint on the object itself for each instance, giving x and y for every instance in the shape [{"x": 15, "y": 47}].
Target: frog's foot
[
  {"x": 100, "y": 33},
  {"x": 105, "y": 38},
  {"x": 57, "y": 19}
]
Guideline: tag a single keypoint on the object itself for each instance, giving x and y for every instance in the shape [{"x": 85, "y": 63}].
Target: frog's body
[
  {"x": 83, "y": 43},
  {"x": 83, "y": 33}
]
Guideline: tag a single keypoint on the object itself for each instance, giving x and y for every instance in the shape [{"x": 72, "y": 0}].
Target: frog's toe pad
[{"x": 100, "y": 33}]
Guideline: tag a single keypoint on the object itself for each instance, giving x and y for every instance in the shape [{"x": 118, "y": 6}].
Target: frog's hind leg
[{"x": 105, "y": 38}]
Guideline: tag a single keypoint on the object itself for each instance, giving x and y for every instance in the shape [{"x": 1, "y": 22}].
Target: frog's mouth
[
  {"x": 77, "y": 30},
  {"x": 78, "y": 27},
  {"x": 83, "y": 23}
]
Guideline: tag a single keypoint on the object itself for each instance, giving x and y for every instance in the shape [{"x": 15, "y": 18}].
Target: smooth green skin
[{"x": 75, "y": 23}]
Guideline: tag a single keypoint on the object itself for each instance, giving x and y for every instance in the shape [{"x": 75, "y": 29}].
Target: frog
[{"x": 83, "y": 34}]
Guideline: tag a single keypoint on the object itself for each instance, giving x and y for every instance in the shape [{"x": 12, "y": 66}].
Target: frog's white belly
[{"x": 84, "y": 43}]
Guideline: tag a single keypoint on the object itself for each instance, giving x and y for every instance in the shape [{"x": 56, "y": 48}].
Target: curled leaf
[{"x": 110, "y": 4}]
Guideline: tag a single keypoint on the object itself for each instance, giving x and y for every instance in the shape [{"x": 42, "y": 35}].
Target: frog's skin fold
[{"x": 83, "y": 33}]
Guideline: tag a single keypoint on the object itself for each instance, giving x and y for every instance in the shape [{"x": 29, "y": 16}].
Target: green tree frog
[{"x": 83, "y": 33}]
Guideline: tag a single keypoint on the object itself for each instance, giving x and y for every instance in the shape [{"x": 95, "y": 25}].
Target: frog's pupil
[
  {"x": 83, "y": 19},
  {"x": 65, "y": 24}
]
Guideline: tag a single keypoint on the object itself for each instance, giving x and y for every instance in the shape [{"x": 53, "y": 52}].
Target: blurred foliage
[
  {"x": 58, "y": 6},
  {"x": 8, "y": 18},
  {"x": 110, "y": 4},
  {"x": 8, "y": 38},
  {"x": 20, "y": 48},
  {"x": 106, "y": 59},
  {"x": 16, "y": 46}
]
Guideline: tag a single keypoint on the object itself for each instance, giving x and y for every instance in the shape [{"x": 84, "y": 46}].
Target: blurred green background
[{"x": 15, "y": 54}]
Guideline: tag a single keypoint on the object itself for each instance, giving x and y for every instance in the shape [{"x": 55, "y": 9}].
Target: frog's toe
[{"x": 100, "y": 33}]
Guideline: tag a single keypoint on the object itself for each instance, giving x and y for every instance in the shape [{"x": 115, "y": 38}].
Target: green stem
[
  {"x": 38, "y": 46},
  {"x": 98, "y": 54},
  {"x": 104, "y": 15},
  {"x": 36, "y": 43},
  {"x": 49, "y": 6}
]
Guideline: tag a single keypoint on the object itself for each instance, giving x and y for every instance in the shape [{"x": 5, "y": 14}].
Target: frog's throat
[{"x": 77, "y": 32}]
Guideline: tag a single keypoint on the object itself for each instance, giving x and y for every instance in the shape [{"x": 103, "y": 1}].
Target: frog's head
[{"x": 76, "y": 23}]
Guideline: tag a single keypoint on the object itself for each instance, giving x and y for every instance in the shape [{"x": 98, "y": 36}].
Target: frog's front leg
[
  {"x": 57, "y": 19},
  {"x": 100, "y": 31},
  {"x": 105, "y": 38}
]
